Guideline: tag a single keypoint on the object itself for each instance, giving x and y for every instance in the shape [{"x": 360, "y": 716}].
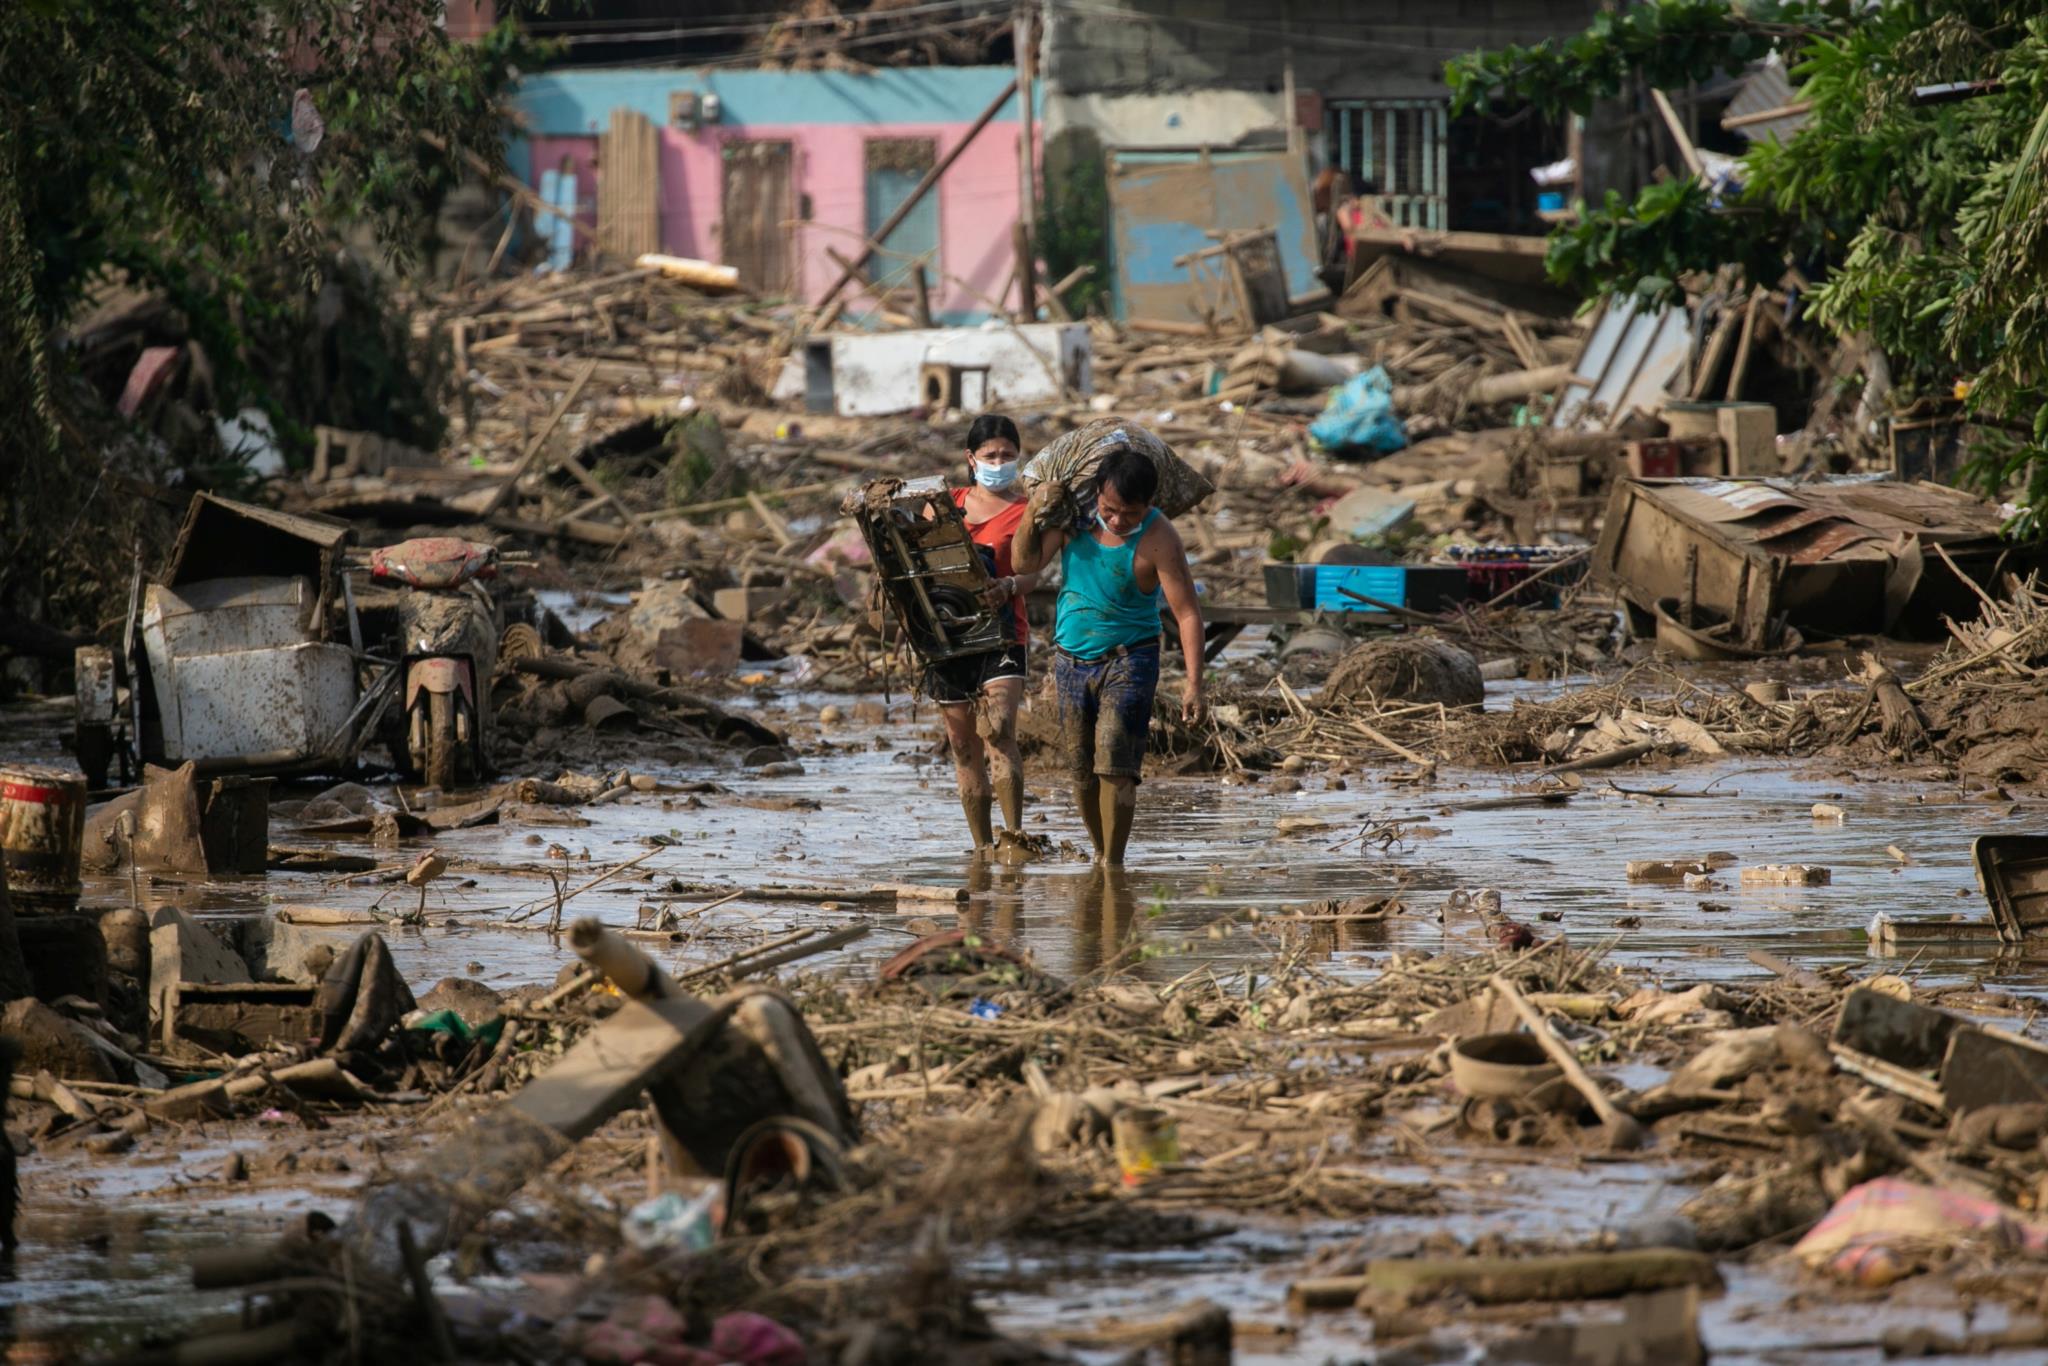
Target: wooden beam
[
  {"x": 540, "y": 439},
  {"x": 1678, "y": 133},
  {"x": 1783, "y": 111},
  {"x": 916, "y": 196},
  {"x": 1741, "y": 370},
  {"x": 1026, "y": 274},
  {"x": 468, "y": 1173}
]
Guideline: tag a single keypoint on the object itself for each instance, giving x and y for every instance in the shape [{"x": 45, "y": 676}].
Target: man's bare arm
[
  {"x": 1170, "y": 559},
  {"x": 1034, "y": 546}
]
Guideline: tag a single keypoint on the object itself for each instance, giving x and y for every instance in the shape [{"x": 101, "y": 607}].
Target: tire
[{"x": 443, "y": 749}]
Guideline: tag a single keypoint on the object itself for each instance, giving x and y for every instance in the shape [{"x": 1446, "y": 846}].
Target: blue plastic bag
[{"x": 1361, "y": 415}]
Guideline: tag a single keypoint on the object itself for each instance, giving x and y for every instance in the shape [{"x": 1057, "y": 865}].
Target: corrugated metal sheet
[
  {"x": 1766, "y": 87},
  {"x": 1628, "y": 362}
]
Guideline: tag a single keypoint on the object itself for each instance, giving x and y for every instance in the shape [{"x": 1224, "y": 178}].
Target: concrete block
[
  {"x": 703, "y": 647},
  {"x": 1750, "y": 432},
  {"x": 745, "y": 604}
]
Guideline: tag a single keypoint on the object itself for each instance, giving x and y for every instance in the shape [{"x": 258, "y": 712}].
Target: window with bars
[{"x": 1398, "y": 147}]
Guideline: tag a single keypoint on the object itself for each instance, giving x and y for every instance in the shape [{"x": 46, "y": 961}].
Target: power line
[
  {"x": 809, "y": 48},
  {"x": 1306, "y": 41},
  {"x": 724, "y": 25}
]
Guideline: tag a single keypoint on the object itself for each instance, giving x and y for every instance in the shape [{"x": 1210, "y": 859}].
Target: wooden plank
[
  {"x": 540, "y": 438},
  {"x": 1717, "y": 350},
  {"x": 1678, "y": 133},
  {"x": 1741, "y": 370},
  {"x": 468, "y": 1173},
  {"x": 1783, "y": 111}
]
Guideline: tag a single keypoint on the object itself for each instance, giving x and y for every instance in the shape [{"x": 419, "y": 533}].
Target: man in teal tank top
[{"x": 1115, "y": 569}]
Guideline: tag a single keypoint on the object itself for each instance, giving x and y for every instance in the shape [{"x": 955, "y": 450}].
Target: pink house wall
[{"x": 978, "y": 198}]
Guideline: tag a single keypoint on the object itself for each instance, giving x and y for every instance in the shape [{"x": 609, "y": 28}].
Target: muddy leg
[
  {"x": 1118, "y": 800},
  {"x": 1088, "y": 796},
  {"x": 970, "y": 767},
  {"x": 1007, "y": 761}
]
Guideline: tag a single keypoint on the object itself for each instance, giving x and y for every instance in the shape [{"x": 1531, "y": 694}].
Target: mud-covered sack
[{"x": 1076, "y": 458}]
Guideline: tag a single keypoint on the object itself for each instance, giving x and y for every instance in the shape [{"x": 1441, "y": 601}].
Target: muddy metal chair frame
[{"x": 919, "y": 542}]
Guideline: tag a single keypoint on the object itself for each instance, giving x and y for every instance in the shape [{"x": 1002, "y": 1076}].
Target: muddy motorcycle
[{"x": 448, "y": 626}]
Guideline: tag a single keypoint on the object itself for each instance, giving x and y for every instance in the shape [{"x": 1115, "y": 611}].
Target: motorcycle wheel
[{"x": 442, "y": 746}]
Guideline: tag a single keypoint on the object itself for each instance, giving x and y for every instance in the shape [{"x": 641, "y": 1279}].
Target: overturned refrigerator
[
  {"x": 242, "y": 657},
  {"x": 1768, "y": 560}
]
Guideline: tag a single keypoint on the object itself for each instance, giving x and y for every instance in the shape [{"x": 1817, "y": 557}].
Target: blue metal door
[{"x": 895, "y": 166}]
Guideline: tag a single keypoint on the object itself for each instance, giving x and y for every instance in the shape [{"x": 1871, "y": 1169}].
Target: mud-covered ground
[{"x": 105, "y": 1239}]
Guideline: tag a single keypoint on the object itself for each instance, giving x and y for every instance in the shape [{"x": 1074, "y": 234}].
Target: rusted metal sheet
[
  {"x": 222, "y": 538},
  {"x": 1163, "y": 205},
  {"x": 1837, "y": 556}
]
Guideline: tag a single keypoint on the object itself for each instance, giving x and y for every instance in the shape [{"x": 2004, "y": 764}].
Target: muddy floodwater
[{"x": 105, "y": 1242}]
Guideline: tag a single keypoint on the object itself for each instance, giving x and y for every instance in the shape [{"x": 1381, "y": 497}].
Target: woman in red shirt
[{"x": 992, "y": 683}]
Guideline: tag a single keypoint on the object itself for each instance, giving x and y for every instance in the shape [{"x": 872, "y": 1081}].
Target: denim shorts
[{"x": 1105, "y": 710}]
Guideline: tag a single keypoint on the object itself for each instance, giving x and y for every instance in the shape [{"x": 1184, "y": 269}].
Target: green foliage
[
  {"x": 153, "y": 146},
  {"x": 699, "y": 459},
  {"x": 1666, "y": 42},
  {"x": 1642, "y": 248},
  {"x": 1073, "y": 227},
  {"x": 1923, "y": 227}
]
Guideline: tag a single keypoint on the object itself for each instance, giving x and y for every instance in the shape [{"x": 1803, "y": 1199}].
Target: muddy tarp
[{"x": 1837, "y": 557}]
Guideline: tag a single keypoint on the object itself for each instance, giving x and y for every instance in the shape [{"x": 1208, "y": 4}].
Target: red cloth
[{"x": 996, "y": 533}]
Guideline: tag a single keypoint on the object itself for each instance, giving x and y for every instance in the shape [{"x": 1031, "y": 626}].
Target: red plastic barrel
[{"x": 42, "y": 829}]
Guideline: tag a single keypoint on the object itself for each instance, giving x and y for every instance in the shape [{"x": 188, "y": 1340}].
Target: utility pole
[{"x": 1025, "y": 40}]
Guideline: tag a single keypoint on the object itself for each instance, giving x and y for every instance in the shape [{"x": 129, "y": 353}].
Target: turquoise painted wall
[{"x": 576, "y": 103}]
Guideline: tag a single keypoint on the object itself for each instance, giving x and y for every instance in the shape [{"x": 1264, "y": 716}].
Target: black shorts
[{"x": 961, "y": 680}]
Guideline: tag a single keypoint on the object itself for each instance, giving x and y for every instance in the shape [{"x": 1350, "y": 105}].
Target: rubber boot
[
  {"x": 976, "y": 805},
  {"x": 1119, "y": 804}
]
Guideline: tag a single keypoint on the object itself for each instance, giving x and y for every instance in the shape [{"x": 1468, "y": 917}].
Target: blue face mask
[{"x": 995, "y": 477}]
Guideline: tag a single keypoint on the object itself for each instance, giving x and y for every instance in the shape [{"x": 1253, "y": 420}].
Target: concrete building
[
  {"x": 773, "y": 171},
  {"x": 1367, "y": 77}
]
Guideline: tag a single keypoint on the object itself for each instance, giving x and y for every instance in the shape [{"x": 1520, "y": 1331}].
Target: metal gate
[{"x": 1402, "y": 147}]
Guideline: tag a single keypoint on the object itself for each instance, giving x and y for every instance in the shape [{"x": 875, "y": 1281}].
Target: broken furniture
[
  {"x": 1940, "y": 1060},
  {"x": 1836, "y": 557},
  {"x": 933, "y": 575},
  {"x": 231, "y": 660},
  {"x": 1239, "y": 280},
  {"x": 2012, "y": 872},
  {"x": 1930, "y": 448}
]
